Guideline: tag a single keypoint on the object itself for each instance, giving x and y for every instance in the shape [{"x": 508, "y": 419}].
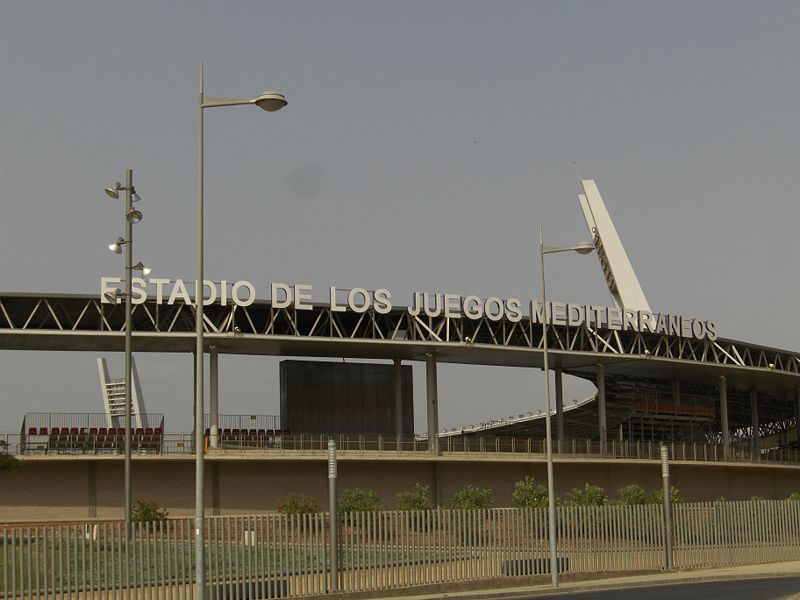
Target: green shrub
[
  {"x": 657, "y": 497},
  {"x": 148, "y": 511},
  {"x": 472, "y": 497},
  {"x": 795, "y": 496},
  {"x": 631, "y": 495},
  {"x": 529, "y": 494},
  {"x": 298, "y": 504},
  {"x": 418, "y": 499},
  {"x": 358, "y": 500},
  {"x": 588, "y": 495},
  {"x": 9, "y": 462},
  {"x": 757, "y": 498}
]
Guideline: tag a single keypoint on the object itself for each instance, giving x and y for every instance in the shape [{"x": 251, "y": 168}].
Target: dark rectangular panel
[{"x": 334, "y": 397}]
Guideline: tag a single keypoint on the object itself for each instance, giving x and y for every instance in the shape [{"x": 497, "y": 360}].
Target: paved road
[{"x": 776, "y": 588}]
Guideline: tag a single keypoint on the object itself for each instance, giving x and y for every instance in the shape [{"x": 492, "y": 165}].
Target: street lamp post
[
  {"x": 270, "y": 102},
  {"x": 581, "y": 248},
  {"x": 131, "y": 216}
]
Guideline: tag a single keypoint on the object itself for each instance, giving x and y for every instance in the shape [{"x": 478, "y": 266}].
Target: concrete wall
[{"x": 78, "y": 488}]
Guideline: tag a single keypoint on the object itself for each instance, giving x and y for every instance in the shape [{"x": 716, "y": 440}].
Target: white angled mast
[{"x": 622, "y": 281}]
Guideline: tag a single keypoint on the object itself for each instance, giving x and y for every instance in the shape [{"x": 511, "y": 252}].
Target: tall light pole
[
  {"x": 581, "y": 248},
  {"x": 131, "y": 216},
  {"x": 270, "y": 102}
]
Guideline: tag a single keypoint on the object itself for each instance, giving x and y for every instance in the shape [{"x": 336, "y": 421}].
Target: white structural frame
[
  {"x": 113, "y": 390},
  {"x": 617, "y": 269}
]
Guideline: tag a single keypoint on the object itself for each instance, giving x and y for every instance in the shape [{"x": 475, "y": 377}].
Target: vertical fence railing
[
  {"x": 730, "y": 533},
  {"x": 278, "y": 556}
]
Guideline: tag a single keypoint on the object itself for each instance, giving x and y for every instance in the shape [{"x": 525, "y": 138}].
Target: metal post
[
  {"x": 723, "y": 411},
  {"x": 199, "y": 450},
  {"x": 334, "y": 565},
  {"x": 551, "y": 499},
  {"x": 797, "y": 415},
  {"x": 213, "y": 367},
  {"x": 559, "y": 405},
  {"x": 601, "y": 407},
  {"x": 433, "y": 404},
  {"x": 128, "y": 340},
  {"x": 667, "y": 504},
  {"x": 756, "y": 434},
  {"x": 398, "y": 397}
]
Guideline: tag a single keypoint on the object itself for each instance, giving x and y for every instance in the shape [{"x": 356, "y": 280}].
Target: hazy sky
[{"x": 423, "y": 144}]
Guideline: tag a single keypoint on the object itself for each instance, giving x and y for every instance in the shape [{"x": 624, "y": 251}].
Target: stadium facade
[{"x": 659, "y": 377}]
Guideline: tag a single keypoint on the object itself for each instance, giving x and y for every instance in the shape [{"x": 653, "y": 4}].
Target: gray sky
[{"x": 423, "y": 144}]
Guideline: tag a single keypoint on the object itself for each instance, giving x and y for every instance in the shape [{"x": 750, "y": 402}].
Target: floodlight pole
[
  {"x": 128, "y": 338},
  {"x": 582, "y": 248},
  {"x": 199, "y": 450}
]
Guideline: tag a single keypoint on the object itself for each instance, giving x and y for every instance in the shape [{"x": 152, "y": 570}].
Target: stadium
[{"x": 727, "y": 410}]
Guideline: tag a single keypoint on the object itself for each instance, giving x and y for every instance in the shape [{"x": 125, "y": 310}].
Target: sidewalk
[{"x": 477, "y": 589}]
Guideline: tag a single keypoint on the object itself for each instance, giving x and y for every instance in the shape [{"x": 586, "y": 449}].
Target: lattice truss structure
[
  {"x": 67, "y": 313},
  {"x": 63, "y": 315}
]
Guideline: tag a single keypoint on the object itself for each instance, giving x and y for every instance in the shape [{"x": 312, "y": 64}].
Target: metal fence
[
  {"x": 277, "y": 441},
  {"x": 275, "y": 556}
]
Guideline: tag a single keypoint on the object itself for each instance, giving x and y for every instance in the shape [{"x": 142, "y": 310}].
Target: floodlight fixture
[
  {"x": 141, "y": 267},
  {"x": 116, "y": 247},
  {"x": 113, "y": 191},
  {"x": 134, "y": 216},
  {"x": 114, "y": 296}
]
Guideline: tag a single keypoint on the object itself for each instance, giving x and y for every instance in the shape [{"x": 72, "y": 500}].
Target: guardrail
[
  {"x": 270, "y": 556},
  {"x": 478, "y": 446}
]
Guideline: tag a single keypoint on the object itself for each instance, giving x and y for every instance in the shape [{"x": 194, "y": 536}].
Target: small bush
[
  {"x": 529, "y": 494},
  {"x": 657, "y": 497},
  {"x": 632, "y": 495},
  {"x": 419, "y": 499},
  {"x": 795, "y": 496},
  {"x": 588, "y": 495},
  {"x": 756, "y": 498},
  {"x": 472, "y": 497},
  {"x": 298, "y": 504},
  {"x": 358, "y": 500},
  {"x": 148, "y": 511},
  {"x": 9, "y": 462}
]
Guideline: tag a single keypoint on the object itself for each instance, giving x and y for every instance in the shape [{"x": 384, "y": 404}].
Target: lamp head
[
  {"x": 116, "y": 247},
  {"x": 134, "y": 216},
  {"x": 270, "y": 101},
  {"x": 584, "y": 247},
  {"x": 113, "y": 191},
  {"x": 113, "y": 297},
  {"x": 140, "y": 267}
]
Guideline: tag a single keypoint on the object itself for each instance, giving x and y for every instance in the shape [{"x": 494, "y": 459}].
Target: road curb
[{"x": 577, "y": 583}]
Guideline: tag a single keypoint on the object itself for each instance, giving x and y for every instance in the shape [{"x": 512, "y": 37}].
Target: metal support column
[
  {"x": 398, "y": 397},
  {"x": 797, "y": 415},
  {"x": 676, "y": 392},
  {"x": 601, "y": 406},
  {"x": 213, "y": 369},
  {"x": 723, "y": 412},
  {"x": 433, "y": 402},
  {"x": 559, "y": 407},
  {"x": 756, "y": 436}
]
